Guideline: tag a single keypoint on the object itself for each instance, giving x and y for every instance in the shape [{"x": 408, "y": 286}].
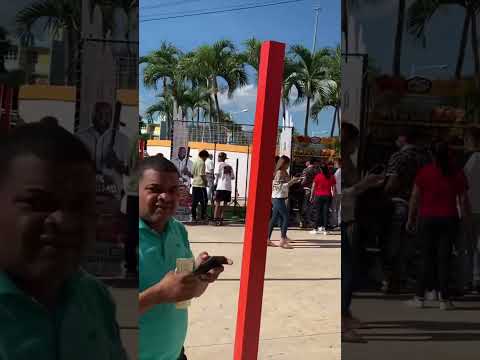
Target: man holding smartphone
[{"x": 163, "y": 242}]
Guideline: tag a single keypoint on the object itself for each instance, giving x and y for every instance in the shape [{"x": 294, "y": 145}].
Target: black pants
[
  {"x": 437, "y": 236},
  {"x": 199, "y": 195},
  {"x": 322, "y": 206},
  {"x": 131, "y": 245}
]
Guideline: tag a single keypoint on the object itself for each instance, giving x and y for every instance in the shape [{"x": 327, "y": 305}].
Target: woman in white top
[
  {"x": 280, "y": 188},
  {"x": 223, "y": 183}
]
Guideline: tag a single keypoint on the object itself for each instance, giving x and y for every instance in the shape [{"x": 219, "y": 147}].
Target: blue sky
[{"x": 289, "y": 23}]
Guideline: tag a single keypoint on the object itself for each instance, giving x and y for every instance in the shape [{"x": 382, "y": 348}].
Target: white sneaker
[
  {"x": 431, "y": 295},
  {"x": 446, "y": 305},
  {"x": 416, "y": 302},
  {"x": 314, "y": 232}
]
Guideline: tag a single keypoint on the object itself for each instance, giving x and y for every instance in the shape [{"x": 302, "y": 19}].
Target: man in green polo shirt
[
  {"x": 163, "y": 240},
  {"x": 49, "y": 308}
]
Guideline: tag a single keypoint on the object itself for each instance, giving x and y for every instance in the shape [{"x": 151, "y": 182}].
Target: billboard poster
[
  {"x": 180, "y": 156},
  {"x": 106, "y": 136}
]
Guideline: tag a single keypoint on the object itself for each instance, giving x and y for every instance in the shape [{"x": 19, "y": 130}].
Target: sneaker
[
  {"x": 416, "y": 302},
  {"x": 446, "y": 305},
  {"x": 431, "y": 295},
  {"x": 315, "y": 232}
]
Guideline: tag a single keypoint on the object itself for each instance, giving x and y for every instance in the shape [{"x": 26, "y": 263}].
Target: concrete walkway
[
  {"x": 301, "y": 305},
  {"x": 408, "y": 333}
]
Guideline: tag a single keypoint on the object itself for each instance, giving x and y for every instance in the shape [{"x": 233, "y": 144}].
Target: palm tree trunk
[
  {"x": 334, "y": 120},
  {"x": 339, "y": 125},
  {"x": 399, "y": 38},
  {"x": 345, "y": 23},
  {"x": 307, "y": 114},
  {"x": 217, "y": 106},
  {"x": 475, "y": 45},
  {"x": 284, "y": 109},
  {"x": 70, "y": 48},
  {"x": 463, "y": 46}
]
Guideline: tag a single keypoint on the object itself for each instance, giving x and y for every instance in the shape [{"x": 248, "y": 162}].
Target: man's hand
[
  {"x": 173, "y": 288},
  {"x": 372, "y": 181},
  {"x": 411, "y": 226},
  {"x": 213, "y": 274}
]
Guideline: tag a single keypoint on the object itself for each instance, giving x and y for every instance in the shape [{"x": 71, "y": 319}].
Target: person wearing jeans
[
  {"x": 352, "y": 187},
  {"x": 438, "y": 187},
  {"x": 472, "y": 172},
  {"x": 322, "y": 194},
  {"x": 280, "y": 189}
]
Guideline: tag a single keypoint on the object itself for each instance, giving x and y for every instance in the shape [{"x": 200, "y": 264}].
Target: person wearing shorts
[{"x": 223, "y": 183}]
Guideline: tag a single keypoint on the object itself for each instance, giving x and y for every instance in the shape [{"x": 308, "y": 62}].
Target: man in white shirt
[
  {"x": 109, "y": 147},
  {"x": 209, "y": 169},
  {"x": 184, "y": 166},
  {"x": 223, "y": 182},
  {"x": 472, "y": 172}
]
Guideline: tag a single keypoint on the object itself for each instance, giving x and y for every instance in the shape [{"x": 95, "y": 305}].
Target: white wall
[
  {"x": 64, "y": 111},
  {"x": 233, "y": 156}
]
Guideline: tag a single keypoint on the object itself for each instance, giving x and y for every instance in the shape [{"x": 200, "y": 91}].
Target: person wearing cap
[
  {"x": 223, "y": 182},
  {"x": 210, "y": 170},
  {"x": 112, "y": 163}
]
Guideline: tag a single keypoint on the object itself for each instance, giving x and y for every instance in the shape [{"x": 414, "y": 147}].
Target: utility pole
[{"x": 317, "y": 12}]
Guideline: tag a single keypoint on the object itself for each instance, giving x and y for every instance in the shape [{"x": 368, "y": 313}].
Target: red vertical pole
[{"x": 258, "y": 210}]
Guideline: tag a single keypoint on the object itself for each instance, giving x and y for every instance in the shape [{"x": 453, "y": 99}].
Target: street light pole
[{"x": 317, "y": 12}]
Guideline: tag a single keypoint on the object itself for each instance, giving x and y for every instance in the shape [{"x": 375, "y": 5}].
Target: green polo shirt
[
  {"x": 163, "y": 328},
  {"x": 82, "y": 327}
]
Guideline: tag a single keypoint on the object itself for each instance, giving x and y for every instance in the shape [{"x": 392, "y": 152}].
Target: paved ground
[
  {"x": 406, "y": 333},
  {"x": 127, "y": 315},
  {"x": 301, "y": 307}
]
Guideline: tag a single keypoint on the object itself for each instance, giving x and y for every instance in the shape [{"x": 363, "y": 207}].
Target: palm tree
[
  {"x": 162, "y": 66},
  {"x": 330, "y": 94},
  {"x": 421, "y": 12},
  {"x": 63, "y": 18},
  {"x": 219, "y": 61},
  {"x": 251, "y": 54},
  {"x": 197, "y": 100},
  {"x": 310, "y": 73}
]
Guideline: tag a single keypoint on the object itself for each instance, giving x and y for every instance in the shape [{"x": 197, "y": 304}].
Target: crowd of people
[
  {"x": 420, "y": 209},
  {"x": 207, "y": 181}
]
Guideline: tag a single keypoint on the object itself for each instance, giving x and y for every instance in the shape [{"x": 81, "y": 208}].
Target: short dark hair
[
  {"x": 50, "y": 143},
  {"x": 157, "y": 163},
  {"x": 203, "y": 153},
  {"x": 349, "y": 131},
  {"x": 49, "y": 120}
]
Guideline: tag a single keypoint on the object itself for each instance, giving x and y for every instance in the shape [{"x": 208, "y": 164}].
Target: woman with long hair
[
  {"x": 438, "y": 188},
  {"x": 323, "y": 191},
  {"x": 280, "y": 189}
]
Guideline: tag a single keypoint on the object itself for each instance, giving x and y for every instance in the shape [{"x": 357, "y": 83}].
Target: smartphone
[{"x": 212, "y": 263}]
